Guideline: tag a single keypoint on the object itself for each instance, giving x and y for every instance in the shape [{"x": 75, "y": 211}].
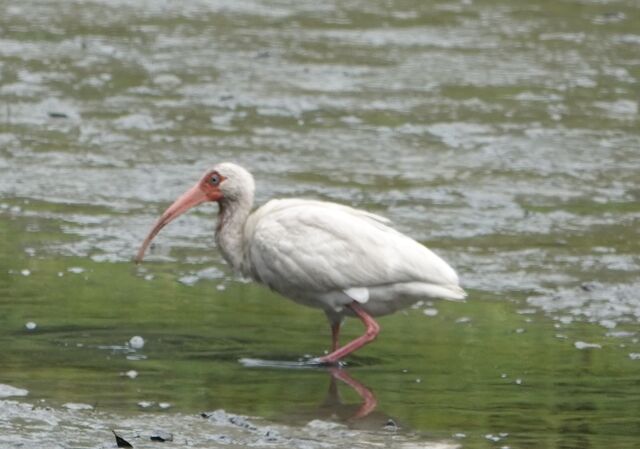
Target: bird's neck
[{"x": 230, "y": 229}]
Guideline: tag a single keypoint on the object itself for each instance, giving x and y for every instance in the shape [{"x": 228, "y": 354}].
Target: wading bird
[{"x": 345, "y": 261}]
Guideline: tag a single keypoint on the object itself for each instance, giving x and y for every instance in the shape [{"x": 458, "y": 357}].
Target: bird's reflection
[
  {"x": 333, "y": 401},
  {"x": 362, "y": 415}
]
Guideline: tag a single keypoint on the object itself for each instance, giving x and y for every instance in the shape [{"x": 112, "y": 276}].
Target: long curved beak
[{"x": 192, "y": 197}]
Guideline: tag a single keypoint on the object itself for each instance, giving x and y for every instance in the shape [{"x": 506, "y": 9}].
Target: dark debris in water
[
  {"x": 161, "y": 436},
  {"x": 391, "y": 426},
  {"x": 121, "y": 442},
  {"x": 58, "y": 115},
  {"x": 588, "y": 286}
]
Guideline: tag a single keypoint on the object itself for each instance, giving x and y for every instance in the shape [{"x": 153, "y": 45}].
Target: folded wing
[{"x": 299, "y": 245}]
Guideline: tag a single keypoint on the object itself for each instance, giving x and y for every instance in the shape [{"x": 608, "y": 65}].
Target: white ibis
[{"x": 345, "y": 261}]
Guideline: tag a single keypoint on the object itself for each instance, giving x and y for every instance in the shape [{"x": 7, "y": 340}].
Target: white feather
[
  {"x": 326, "y": 255},
  {"x": 360, "y": 294}
]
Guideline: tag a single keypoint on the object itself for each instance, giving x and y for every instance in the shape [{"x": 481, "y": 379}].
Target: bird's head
[{"x": 224, "y": 183}]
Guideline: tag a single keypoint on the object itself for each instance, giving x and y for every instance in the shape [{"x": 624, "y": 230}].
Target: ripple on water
[
  {"x": 606, "y": 304},
  {"x": 9, "y": 391}
]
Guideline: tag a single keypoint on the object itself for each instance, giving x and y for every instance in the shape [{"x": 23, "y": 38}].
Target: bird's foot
[
  {"x": 326, "y": 361},
  {"x": 285, "y": 364}
]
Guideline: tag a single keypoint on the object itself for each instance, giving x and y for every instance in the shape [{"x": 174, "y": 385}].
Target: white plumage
[
  {"x": 327, "y": 255},
  {"x": 342, "y": 260}
]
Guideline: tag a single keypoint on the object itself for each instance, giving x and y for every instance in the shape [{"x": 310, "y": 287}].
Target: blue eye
[{"x": 214, "y": 180}]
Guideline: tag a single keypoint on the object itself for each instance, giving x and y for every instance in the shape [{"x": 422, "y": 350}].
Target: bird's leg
[
  {"x": 335, "y": 335},
  {"x": 371, "y": 332}
]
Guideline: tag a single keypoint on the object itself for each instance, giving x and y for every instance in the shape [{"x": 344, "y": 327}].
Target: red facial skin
[{"x": 207, "y": 189}]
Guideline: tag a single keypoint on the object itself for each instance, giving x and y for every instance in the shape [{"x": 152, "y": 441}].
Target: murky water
[{"x": 504, "y": 135}]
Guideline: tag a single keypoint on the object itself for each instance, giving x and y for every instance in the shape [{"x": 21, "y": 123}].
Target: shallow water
[{"x": 504, "y": 135}]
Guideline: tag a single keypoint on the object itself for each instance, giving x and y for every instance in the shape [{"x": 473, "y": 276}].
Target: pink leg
[
  {"x": 335, "y": 335},
  {"x": 372, "y": 330}
]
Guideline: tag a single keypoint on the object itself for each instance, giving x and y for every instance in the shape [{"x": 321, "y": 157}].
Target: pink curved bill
[{"x": 187, "y": 200}]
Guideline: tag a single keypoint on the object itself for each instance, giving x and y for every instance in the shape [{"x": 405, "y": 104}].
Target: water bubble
[
  {"x": 131, "y": 374},
  {"x": 30, "y": 325},
  {"x": 145, "y": 404},
  {"x": 164, "y": 405},
  {"x": 75, "y": 270},
  {"x": 25, "y": 272},
  {"x": 585, "y": 345},
  {"x": 430, "y": 312},
  {"x": 634, "y": 355},
  {"x": 136, "y": 342}
]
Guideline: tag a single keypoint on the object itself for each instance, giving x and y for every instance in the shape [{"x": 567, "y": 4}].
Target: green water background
[{"x": 504, "y": 135}]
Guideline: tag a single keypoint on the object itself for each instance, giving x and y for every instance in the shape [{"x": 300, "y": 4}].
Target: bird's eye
[{"x": 214, "y": 179}]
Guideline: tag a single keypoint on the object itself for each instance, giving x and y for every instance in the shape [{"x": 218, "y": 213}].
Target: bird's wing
[
  {"x": 299, "y": 245},
  {"x": 275, "y": 206}
]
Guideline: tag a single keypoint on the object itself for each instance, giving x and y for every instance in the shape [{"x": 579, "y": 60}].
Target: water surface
[{"x": 503, "y": 135}]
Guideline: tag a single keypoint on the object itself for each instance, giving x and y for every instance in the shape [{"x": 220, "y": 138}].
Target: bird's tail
[{"x": 452, "y": 292}]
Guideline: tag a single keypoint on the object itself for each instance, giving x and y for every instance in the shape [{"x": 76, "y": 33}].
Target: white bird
[{"x": 345, "y": 261}]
